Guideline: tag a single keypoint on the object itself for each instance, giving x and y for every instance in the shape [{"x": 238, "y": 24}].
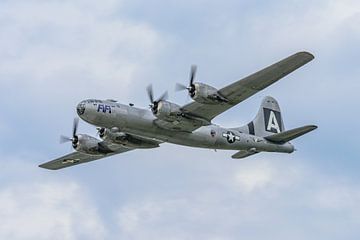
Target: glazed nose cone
[{"x": 80, "y": 108}]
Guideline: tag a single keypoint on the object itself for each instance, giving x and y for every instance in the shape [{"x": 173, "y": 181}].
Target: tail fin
[{"x": 268, "y": 120}]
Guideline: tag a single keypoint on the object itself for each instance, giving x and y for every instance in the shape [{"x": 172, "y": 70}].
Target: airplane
[{"x": 123, "y": 128}]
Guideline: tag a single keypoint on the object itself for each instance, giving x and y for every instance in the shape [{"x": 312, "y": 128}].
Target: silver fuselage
[{"x": 141, "y": 122}]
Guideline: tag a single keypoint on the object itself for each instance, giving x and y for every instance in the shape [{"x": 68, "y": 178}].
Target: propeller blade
[
  {"x": 75, "y": 126},
  {"x": 150, "y": 93},
  {"x": 101, "y": 132},
  {"x": 163, "y": 97},
  {"x": 180, "y": 87},
  {"x": 192, "y": 74},
  {"x": 64, "y": 139},
  {"x": 98, "y": 131}
]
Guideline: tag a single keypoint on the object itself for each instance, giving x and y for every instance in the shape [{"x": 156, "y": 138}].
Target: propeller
[
  {"x": 191, "y": 87},
  {"x": 101, "y": 131},
  {"x": 74, "y": 139},
  {"x": 155, "y": 103}
]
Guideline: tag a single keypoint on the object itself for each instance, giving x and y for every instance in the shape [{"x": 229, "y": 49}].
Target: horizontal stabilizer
[
  {"x": 244, "y": 153},
  {"x": 289, "y": 135}
]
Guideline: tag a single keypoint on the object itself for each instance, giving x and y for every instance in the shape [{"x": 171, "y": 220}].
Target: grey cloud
[{"x": 254, "y": 200}]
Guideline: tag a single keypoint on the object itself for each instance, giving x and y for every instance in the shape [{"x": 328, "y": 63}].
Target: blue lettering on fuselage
[{"x": 104, "y": 108}]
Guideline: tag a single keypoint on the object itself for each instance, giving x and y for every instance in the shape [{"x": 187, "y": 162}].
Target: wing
[
  {"x": 245, "y": 88},
  {"x": 78, "y": 158}
]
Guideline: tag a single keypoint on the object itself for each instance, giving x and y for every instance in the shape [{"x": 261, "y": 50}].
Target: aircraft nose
[{"x": 80, "y": 109}]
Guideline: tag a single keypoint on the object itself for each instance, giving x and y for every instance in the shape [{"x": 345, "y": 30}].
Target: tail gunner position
[{"x": 123, "y": 128}]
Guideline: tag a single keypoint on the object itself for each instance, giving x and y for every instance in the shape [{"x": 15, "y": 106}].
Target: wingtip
[
  {"x": 306, "y": 54},
  {"x": 44, "y": 167},
  {"x": 313, "y": 127}
]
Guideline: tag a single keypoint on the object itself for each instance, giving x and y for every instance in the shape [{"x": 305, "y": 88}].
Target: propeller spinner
[
  {"x": 155, "y": 103},
  {"x": 191, "y": 87},
  {"x": 74, "y": 139}
]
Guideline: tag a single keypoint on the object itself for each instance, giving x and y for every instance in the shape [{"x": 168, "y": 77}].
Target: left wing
[
  {"x": 78, "y": 158},
  {"x": 246, "y": 87}
]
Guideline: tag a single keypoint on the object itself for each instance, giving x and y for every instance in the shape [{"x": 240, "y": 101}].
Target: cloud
[
  {"x": 256, "y": 179},
  {"x": 315, "y": 26},
  {"x": 340, "y": 197},
  {"x": 55, "y": 53},
  {"x": 263, "y": 198},
  {"x": 48, "y": 210},
  {"x": 73, "y": 48}
]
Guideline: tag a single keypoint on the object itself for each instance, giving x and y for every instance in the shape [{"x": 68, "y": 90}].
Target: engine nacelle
[
  {"x": 206, "y": 94},
  {"x": 114, "y": 135},
  {"x": 89, "y": 145},
  {"x": 168, "y": 111}
]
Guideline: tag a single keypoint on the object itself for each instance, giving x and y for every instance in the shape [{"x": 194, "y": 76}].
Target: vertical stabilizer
[{"x": 268, "y": 120}]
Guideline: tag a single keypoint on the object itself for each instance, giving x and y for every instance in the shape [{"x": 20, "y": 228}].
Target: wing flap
[{"x": 289, "y": 135}]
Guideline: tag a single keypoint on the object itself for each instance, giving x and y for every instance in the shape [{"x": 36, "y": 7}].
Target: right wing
[{"x": 78, "y": 158}]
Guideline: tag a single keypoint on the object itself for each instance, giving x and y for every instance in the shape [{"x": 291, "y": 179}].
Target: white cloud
[
  {"x": 254, "y": 200},
  {"x": 255, "y": 178},
  {"x": 328, "y": 29},
  {"x": 266, "y": 176},
  {"x": 299, "y": 25},
  {"x": 57, "y": 48},
  {"x": 48, "y": 211}
]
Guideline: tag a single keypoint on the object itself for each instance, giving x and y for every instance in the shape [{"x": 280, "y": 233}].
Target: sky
[{"x": 55, "y": 53}]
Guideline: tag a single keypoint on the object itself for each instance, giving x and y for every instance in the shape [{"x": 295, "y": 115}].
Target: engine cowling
[
  {"x": 206, "y": 94},
  {"x": 88, "y": 145},
  {"x": 114, "y": 135},
  {"x": 168, "y": 111}
]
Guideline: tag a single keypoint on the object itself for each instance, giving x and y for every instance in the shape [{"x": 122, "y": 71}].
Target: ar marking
[
  {"x": 231, "y": 137},
  {"x": 104, "y": 108}
]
